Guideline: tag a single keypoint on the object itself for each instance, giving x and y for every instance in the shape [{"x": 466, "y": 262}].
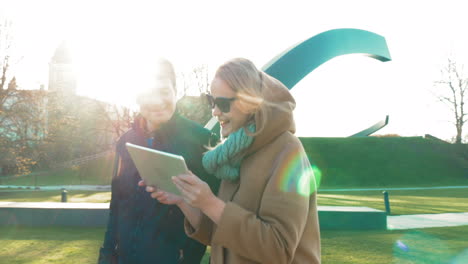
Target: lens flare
[
  {"x": 297, "y": 175},
  {"x": 460, "y": 258},
  {"x": 318, "y": 175},
  {"x": 401, "y": 246},
  {"x": 419, "y": 247}
]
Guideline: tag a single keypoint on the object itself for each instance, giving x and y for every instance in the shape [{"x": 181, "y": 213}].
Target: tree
[
  {"x": 111, "y": 121},
  {"x": 22, "y": 129},
  {"x": 82, "y": 126},
  {"x": 12, "y": 84},
  {"x": 452, "y": 91},
  {"x": 5, "y": 48},
  {"x": 194, "y": 107},
  {"x": 19, "y": 122},
  {"x": 8, "y": 58},
  {"x": 196, "y": 81}
]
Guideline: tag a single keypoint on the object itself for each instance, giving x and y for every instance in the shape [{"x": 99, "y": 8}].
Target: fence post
[
  {"x": 387, "y": 202},
  {"x": 64, "y": 195}
]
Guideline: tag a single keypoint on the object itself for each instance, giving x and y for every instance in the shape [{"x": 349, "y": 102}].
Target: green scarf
[{"x": 225, "y": 159}]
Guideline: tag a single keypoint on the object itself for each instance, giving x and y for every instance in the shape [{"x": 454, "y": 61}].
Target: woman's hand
[
  {"x": 198, "y": 194},
  {"x": 162, "y": 196}
]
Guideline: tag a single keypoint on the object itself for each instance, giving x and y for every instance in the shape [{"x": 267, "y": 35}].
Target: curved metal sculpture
[
  {"x": 374, "y": 128},
  {"x": 295, "y": 63}
]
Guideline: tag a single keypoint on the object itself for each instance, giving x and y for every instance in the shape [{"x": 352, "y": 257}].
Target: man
[{"x": 140, "y": 229}]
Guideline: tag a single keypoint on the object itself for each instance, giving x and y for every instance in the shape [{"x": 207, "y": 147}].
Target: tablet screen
[{"x": 157, "y": 167}]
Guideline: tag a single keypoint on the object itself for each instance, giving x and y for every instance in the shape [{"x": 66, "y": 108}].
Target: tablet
[{"x": 157, "y": 167}]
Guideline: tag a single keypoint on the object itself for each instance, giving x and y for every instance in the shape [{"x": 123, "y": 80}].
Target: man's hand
[{"x": 160, "y": 195}]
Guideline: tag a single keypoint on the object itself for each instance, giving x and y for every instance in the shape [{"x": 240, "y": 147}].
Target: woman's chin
[{"x": 225, "y": 132}]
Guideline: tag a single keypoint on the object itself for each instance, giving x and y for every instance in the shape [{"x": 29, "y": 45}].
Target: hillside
[
  {"x": 387, "y": 161},
  {"x": 343, "y": 162}
]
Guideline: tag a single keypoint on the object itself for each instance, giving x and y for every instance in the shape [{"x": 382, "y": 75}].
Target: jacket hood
[{"x": 279, "y": 105}]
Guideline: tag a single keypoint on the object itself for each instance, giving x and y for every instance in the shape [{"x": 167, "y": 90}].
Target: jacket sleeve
[
  {"x": 193, "y": 246},
  {"x": 272, "y": 234},
  {"x": 107, "y": 253},
  {"x": 203, "y": 232}
]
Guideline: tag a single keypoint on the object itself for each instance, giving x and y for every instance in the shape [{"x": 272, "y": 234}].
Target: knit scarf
[{"x": 225, "y": 159}]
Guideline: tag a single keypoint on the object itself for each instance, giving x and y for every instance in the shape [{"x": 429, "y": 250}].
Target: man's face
[{"x": 157, "y": 103}]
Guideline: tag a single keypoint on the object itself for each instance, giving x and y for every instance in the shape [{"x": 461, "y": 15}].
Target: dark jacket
[{"x": 140, "y": 229}]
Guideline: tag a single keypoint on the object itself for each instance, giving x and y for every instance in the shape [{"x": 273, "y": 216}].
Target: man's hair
[{"x": 165, "y": 69}]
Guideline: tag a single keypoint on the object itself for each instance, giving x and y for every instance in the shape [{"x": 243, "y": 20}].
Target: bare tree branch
[{"x": 454, "y": 81}]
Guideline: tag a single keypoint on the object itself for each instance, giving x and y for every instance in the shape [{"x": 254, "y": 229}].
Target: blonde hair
[{"x": 246, "y": 80}]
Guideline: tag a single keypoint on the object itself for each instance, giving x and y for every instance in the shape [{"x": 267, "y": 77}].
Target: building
[{"x": 62, "y": 77}]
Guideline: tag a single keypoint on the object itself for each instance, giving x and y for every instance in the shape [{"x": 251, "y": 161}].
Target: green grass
[
  {"x": 96, "y": 172},
  {"x": 424, "y": 246},
  {"x": 81, "y": 245},
  {"x": 50, "y": 245},
  {"x": 387, "y": 162},
  {"x": 55, "y": 196},
  {"x": 402, "y": 202}
]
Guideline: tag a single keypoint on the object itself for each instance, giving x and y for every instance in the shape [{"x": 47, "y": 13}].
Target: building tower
[{"x": 62, "y": 78}]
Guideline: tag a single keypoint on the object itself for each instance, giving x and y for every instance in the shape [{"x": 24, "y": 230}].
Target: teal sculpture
[
  {"x": 372, "y": 129},
  {"x": 295, "y": 63}
]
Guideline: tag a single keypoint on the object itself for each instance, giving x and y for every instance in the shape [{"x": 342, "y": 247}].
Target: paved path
[
  {"x": 426, "y": 220},
  {"x": 393, "y": 222},
  {"x": 394, "y": 189},
  {"x": 108, "y": 188},
  {"x": 59, "y": 187},
  {"x": 54, "y": 205}
]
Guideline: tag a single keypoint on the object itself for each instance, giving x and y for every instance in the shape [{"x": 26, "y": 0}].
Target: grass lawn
[
  {"x": 51, "y": 245},
  {"x": 424, "y": 246},
  {"x": 81, "y": 245},
  {"x": 402, "y": 202},
  {"x": 96, "y": 172}
]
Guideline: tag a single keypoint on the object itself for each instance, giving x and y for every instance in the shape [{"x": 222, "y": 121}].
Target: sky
[{"x": 111, "y": 39}]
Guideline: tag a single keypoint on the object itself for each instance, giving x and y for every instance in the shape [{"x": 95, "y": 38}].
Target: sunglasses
[{"x": 223, "y": 103}]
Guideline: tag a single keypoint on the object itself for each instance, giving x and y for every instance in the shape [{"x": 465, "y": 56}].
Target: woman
[{"x": 265, "y": 211}]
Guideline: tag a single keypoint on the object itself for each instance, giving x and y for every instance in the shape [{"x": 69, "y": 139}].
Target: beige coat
[{"x": 270, "y": 214}]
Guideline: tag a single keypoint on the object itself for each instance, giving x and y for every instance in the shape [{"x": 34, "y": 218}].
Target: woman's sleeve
[
  {"x": 202, "y": 232},
  {"x": 273, "y": 235}
]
